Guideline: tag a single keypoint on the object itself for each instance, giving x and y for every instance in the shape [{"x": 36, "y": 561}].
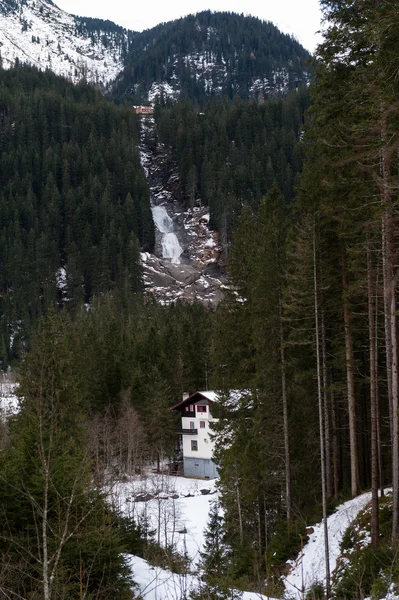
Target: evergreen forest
[
  {"x": 232, "y": 153},
  {"x": 74, "y": 201},
  {"x": 234, "y": 51},
  {"x": 303, "y": 191}
]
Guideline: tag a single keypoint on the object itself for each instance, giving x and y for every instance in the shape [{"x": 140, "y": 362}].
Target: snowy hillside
[
  {"x": 39, "y": 33},
  {"x": 177, "y": 509},
  {"x": 309, "y": 567}
]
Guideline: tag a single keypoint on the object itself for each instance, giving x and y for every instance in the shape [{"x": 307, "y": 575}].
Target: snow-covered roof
[
  {"x": 212, "y": 396},
  {"x": 233, "y": 397}
]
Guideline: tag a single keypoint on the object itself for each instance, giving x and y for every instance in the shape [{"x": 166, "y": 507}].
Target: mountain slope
[
  {"x": 39, "y": 33},
  {"x": 211, "y": 54},
  {"x": 74, "y": 203}
]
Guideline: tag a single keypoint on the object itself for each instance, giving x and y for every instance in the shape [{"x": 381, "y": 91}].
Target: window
[
  {"x": 189, "y": 408},
  {"x": 202, "y": 424},
  {"x": 201, "y": 408},
  {"x": 194, "y": 445},
  {"x": 192, "y": 425}
]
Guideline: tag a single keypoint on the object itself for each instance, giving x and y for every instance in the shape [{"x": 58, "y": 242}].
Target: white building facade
[{"x": 198, "y": 445}]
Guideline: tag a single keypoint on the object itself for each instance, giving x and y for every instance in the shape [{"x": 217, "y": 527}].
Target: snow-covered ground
[
  {"x": 309, "y": 567},
  {"x": 177, "y": 509},
  {"x": 160, "y": 584}
]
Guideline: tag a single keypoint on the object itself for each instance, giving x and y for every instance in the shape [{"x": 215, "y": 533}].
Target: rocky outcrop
[{"x": 197, "y": 274}]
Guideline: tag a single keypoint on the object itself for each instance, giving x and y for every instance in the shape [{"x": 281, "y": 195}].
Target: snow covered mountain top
[{"x": 37, "y": 32}]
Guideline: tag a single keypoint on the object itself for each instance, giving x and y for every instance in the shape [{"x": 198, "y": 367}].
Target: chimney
[{"x": 186, "y": 395}]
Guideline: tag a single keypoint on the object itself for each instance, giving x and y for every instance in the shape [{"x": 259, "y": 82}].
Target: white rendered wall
[{"x": 205, "y": 445}]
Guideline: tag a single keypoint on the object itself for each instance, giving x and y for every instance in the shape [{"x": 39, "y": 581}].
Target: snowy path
[{"x": 309, "y": 567}]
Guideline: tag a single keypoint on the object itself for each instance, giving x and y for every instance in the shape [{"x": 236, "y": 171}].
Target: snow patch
[
  {"x": 9, "y": 401},
  {"x": 310, "y": 567}
]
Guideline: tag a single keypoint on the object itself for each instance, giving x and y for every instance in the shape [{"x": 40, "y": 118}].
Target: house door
[{"x": 207, "y": 468}]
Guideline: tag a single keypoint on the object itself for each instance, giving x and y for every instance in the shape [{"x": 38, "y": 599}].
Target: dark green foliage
[
  {"x": 129, "y": 344},
  {"x": 316, "y": 592},
  {"x": 72, "y": 196},
  {"x": 285, "y": 544},
  {"x": 215, "y": 562},
  {"x": 360, "y": 575},
  {"x": 243, "y": 49},
  {"x": 367, "y": 571},
  {"x": 56, "y": 528},
  {"x": 233, "y": 152}
]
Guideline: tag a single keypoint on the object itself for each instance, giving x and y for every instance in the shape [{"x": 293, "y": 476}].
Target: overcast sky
[{"x": 298, "y": 17}]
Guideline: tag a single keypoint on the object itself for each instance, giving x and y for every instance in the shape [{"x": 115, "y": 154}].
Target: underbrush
[
  {"x": 364, "y": 571},
  {"x": 166, "y": 558}
]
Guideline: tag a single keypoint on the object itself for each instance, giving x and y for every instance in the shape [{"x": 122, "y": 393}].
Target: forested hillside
[
  {"x": 233, "y": 152},
  {"x": 303, "y": 190},
  {"x": 74, "y": 203},
  {"x": 212, "y": 54},
  {"x": 316, "y": 335}
]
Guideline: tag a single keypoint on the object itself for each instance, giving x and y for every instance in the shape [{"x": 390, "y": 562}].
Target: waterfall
[{"x": 171, "y": 248}]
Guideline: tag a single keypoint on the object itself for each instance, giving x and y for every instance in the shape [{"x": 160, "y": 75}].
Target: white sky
[{"x": 298, "y": 17}]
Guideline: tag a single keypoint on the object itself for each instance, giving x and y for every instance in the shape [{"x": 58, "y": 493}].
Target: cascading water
[{"x": 171, "y": 248}]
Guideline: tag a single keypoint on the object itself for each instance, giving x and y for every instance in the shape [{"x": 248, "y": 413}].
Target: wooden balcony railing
[{"x": 186, "y": 431}]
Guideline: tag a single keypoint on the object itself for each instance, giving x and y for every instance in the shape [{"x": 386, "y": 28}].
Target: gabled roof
[{"x": 211, "y": 396}]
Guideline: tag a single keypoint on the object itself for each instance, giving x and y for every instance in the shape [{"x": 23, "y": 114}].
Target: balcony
[
  {"x": 189, "y": 413},
  {"x": 181, "y": 431}
]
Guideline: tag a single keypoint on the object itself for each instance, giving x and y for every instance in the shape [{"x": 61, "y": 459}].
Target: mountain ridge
[
  {"x": 39, "y": 33},
  {"x": 212, "y": 53},
  {"x": 199, "y": 56}
]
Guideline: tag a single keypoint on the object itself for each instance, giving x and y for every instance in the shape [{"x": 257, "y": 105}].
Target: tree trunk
[
  {"x": 326, "y": 409},
  {"x": 395, "y": 424},
  {"x": 335, "y": 445},
  {"x": 387, "y": 322},
  {"x": 241, "y": 526},
  {"x": 285, "y": 423},
  {"x": 376, "y": 341},
  {"x": 390, "y": 293},
  {"x": 321, "y": 425},
  {"x": 350, "y": 385},
  {"x": 375, "y": 535}
]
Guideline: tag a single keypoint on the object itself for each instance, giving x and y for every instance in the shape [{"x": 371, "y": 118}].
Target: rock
[
  {"x": 309, "y": 530},
  {"x": 192, "y": 279},
  {"x": 205, "y": 492},
  {"x": 143, "y": 498}
]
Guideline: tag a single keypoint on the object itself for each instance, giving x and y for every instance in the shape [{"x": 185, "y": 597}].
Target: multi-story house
[{"x": 197, "y": 444}]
